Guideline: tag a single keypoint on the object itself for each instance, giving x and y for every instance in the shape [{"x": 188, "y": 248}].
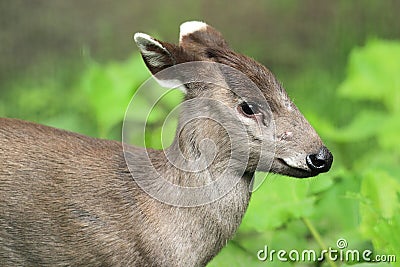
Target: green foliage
[
  {"x": 373, "y": 70},
  {"x": 109, "y": 88},
  {"x": 373, "y": 74},
  {"x": 380, "y": 210},
  {"x": 92, "y": 104},
  {"x": 292, "y": 203}
]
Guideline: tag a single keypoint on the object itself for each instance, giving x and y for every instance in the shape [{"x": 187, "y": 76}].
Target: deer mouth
[{"x": 280, "y": 166}]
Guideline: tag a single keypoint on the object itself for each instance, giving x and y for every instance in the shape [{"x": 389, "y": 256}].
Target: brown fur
[{"x": 71, "y": 200}]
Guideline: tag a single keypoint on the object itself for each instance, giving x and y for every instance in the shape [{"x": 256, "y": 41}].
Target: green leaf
[
  {"x": 277, "y": 201},
  {"x": 364, "y": 125},
  {"x": 389, "y": 133},
  {"x": 381, "y": 190},
  {"x": 320, "y": 184},
  {"x": 109, "y": 88},
  {"x": 380, "y": 210},
  {"x": 373, "y": 74},
  {"x": 234, "y": 256}
]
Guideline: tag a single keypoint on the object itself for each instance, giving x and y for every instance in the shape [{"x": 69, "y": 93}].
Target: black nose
[{"x": 320, "y": 162}]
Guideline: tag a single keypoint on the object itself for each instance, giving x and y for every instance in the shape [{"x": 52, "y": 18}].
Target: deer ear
[
  {"x": 196, "y": 33},
  {"x": 157, "y": 55}
]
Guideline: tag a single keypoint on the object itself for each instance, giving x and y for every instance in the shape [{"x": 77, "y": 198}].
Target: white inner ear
[
  {"x": 189, "y": 27},
  {"x": 153, "y": 58},
  {"x": 142, "y": 40}
]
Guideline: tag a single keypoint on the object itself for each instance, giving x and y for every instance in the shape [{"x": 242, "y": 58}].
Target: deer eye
[{"x": 249, "y": 109}]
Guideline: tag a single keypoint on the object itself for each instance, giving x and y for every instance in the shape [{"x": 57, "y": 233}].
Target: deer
[{"x": 71, "y": 200}]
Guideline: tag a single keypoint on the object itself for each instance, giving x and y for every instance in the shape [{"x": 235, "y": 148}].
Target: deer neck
[
  {"x": 192, "y": 161},
  {"x": 202, "y": 153}
]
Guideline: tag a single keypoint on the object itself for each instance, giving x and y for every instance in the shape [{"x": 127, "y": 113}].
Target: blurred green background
[{"x": 72, "y": 64}]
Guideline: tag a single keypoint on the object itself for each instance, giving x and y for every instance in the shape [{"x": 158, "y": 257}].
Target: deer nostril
[
  {"x": 320, "y": 162},
  {"x": 315, "y": 162}
]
